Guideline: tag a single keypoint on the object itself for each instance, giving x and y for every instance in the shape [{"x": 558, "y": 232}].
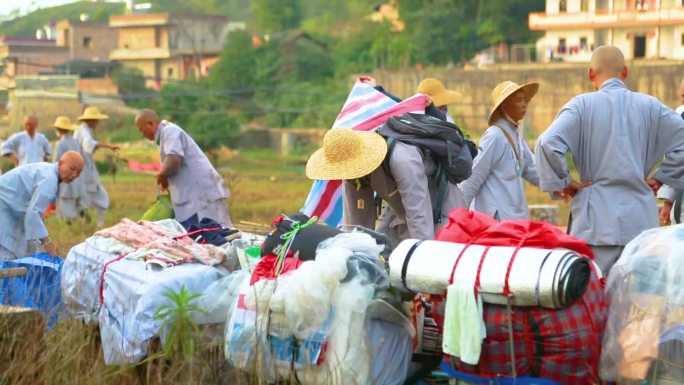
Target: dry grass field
[{"x": 263, "y": 186}]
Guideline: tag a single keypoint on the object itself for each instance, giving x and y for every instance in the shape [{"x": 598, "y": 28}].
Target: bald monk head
[
  {"x": 606, "y": 62},
  {"x": 681, "y": 92},
  {"x": 147, "y": 121},
  {"x": 30, "y": 124},
  {"x": 70, "y": 166}
]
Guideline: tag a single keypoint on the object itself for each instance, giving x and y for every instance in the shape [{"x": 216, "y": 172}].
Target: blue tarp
[{"x": 38, "y": 289}]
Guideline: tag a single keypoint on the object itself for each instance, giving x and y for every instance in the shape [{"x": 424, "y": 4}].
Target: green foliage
[
  {"x": 453, "y": 30},
  {"x": 101, "y": 15},
  {"x": 203, "y": 116},
  {"x": 182, "y": 330},
  {"x": 212, "y": 128},
  {"x": 276, "y": 15},
  {"x": 236, "y": 69},
  {"x": 303, "y": 104},
  {"x": 298, "y": 73},
  {"x": 26, "y": 26},
  {"x": 129, "y": 80}
]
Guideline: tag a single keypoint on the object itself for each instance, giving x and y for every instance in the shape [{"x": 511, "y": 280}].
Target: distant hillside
[{"x": 25, "y": 26}]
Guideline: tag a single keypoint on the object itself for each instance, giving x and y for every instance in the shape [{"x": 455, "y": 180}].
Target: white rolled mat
[{"x": 538, "y": 277}]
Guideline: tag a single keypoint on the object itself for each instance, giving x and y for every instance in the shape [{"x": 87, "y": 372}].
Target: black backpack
[
  {"x": 439, "y": 139},
  {"x": 444, "y": 142}
]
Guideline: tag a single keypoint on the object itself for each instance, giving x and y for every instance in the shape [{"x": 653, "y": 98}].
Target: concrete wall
[
  {"x": 73, "y": 34},
  {"x": 558, "y": 84}
]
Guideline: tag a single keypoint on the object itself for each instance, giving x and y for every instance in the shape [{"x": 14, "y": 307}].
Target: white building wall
[{"x": 573, "y": 52}]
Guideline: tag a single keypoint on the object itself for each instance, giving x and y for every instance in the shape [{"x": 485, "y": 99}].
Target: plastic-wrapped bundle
[
  {"x": 312, "y": 324},
  {"x": 537, "y": 277},
  {"x": 644, "y": 335}
]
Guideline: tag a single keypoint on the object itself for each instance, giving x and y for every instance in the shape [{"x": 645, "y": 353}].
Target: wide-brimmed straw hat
[
  {"x": 503, "y": 90},
  {"x": 92, "y": 113},
  {"x": 438, "y": 93},
  {"x": 64, "y": 123},
  {"x": 346, "y": 154}
]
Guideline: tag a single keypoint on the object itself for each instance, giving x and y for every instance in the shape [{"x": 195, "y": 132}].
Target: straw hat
[
  {"x": 346, "y": 154},
  {"x": 503, "y": 90},
  {"x": 92, "y": 113},
  {"x": 64, "y": 123},
  {"x": 438, "y": 93}
]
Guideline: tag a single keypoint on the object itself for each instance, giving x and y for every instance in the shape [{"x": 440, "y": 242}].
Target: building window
[
  {"x": 682, "y": 42},
  {"x": 583, "y": 43},
  {"x": 563, "y": 6},
  {"x": 641, "y": 5},
  {"x": 169, "y": 72},
  {"x": 562, "y": 46},
  {"x": 87, "y": 42},
  {"x": 584, "y": 6}
]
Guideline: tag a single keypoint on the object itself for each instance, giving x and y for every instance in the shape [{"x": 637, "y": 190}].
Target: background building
[
  {"x": 642, "y": 29},
  {"x": 168, "y": 47}
]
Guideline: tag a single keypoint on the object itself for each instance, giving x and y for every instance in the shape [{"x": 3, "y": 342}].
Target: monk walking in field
[
  {"x": 197, "y": 190},
  {"x": 96, "y": 195}
]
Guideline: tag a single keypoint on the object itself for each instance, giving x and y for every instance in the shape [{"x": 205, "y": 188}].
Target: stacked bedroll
[{"x": 543, "y": 306}]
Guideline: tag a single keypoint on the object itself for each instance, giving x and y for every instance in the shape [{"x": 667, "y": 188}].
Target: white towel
[{"x": 464, "y": 328}]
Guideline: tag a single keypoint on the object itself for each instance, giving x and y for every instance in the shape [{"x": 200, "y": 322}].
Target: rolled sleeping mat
[{"x": 539, "y": 277}]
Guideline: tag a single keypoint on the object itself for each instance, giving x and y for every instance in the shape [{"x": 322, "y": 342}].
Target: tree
[
  {"x": 276, "y": 15},
  {"x": 236, "y": 67},
  {"x": 130, "y": 81}
]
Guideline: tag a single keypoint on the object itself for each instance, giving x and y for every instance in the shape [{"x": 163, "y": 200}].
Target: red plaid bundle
[{"x": 562, "y": 345}]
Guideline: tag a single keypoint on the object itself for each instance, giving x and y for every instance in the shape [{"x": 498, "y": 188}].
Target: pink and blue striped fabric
[{"x": 366, "y": 109}]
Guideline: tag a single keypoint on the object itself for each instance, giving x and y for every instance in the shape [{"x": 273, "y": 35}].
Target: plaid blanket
[{"x": 563, "y": 345}]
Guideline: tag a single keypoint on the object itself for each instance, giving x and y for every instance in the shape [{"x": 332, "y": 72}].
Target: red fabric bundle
[
  {"x": 474, "y": 227},
  {"x": 265, "y": 268}
]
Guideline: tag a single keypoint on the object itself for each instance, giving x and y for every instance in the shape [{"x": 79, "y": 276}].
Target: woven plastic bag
[{"x": 160, "y": 209}]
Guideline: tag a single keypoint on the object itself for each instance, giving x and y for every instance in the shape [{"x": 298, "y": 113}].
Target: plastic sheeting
[
  {"x": 132, "y": 293},
  {"x": 537, "y": 277},
  {"x": 38, "y": 289},
  {"x": 311, "y": 324},
  {"x": 644, "y": 335}
]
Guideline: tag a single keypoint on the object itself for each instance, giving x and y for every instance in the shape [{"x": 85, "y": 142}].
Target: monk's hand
[
  {"x": 664, "y": 213},
  {"x": 654, "y": 184},
  {"x": 569, "y": 192},
  {"x": 49, "y": 246},
  {"x": 163, "y": 181},
  {"x": 428, "y": 101}
]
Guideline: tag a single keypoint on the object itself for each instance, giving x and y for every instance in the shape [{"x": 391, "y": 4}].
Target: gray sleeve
[
  {"x": 492, "y": 150},
  {"x": 552, "y": 146},
  {"x": 666, "y": 192},
  {"x": 46, "y": 146},
  {"x": 670, "y": 141},
  {"x": 530, "y": 172},
  {"x": 44, "y": 193},
  {"x": 10, "y": 145},
  {"x": 408, "y": 169}
]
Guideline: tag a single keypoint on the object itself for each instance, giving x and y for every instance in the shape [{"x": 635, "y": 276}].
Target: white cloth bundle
[{"x": 538, "y": 277}]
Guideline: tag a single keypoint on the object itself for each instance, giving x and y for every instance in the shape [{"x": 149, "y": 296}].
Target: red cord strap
[
  {"x": 453, "y": 270},
  {"x": 507, "y": 289}
]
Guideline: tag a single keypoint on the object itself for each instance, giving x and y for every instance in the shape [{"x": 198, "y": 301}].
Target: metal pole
[{"x": 510, "y": 333}]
